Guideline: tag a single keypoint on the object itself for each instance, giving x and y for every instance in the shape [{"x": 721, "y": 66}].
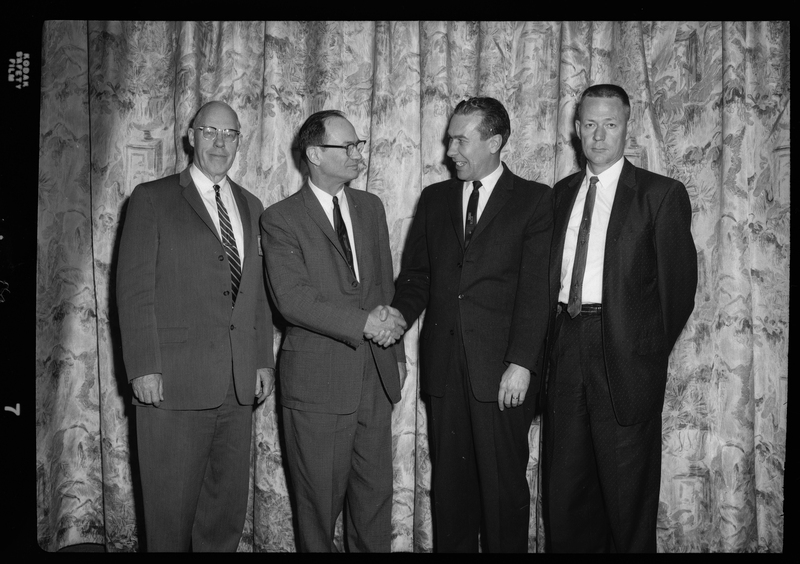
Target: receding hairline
[{"x": 212, "y": 104}]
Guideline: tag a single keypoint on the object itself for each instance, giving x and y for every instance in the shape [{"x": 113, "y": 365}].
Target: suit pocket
[
  {"x": 305, "y": 369},
  {"x": 173, "y": 334}
]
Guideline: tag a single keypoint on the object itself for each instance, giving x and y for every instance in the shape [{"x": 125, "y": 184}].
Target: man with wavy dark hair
[{"x": 476, "y": 258}]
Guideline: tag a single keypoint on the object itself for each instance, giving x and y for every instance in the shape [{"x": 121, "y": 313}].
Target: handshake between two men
[{"x": 385, "y": 326}]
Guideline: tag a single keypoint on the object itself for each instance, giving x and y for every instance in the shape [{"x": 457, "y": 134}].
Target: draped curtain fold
[{"x": 710, "y": 106}]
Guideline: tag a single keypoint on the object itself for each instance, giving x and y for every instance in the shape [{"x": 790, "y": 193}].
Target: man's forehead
[
  {"x": 218, "y": 114},
  {"x": 340, "y": 129},
  {"x": 461, "y": 124}
]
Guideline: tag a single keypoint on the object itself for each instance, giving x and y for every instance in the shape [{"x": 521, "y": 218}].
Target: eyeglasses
[
  {"x": 351, "y": 148},
  {"x": 209, "y": 133}
]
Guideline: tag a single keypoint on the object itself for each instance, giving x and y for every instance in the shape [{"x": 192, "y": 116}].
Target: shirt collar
[
  {"x": 323, "y": 196},
  {"x": 203, "y": 182},
  {"x": 489, "y": 180},
  {"x": 610, "y": 176}
]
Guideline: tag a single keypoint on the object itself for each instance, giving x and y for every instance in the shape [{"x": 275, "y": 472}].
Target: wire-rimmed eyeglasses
[
  {"x": 210, "y": 133},
  {"x": 351, "y": 148}
]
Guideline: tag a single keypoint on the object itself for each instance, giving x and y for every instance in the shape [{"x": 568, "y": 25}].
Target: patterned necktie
[
  {"x": 341, "y": 232},
  {"x": 229, "y": 242},
  {"x": 472, "y": 212},
  {"x": 579, "y": 267}
]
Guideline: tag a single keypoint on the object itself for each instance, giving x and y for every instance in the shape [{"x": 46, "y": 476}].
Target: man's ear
[
  {"x": 495, "y": 143},
  {"x": 190, "y": 135},
  {"x": 312, "y": 155}
]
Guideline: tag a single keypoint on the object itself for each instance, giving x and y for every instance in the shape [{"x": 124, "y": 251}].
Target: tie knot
[
  {"x": 593, "y": 180},
  {"x": 335, "y": 200},
  {"x": 216, "y": 188},
  {"x": 476, "y": 185}
]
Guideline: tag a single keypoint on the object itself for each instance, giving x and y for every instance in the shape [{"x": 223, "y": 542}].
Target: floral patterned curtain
[{"x": 710, "y": 107}]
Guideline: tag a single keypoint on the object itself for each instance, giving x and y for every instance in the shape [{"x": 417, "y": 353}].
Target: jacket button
[
  {"x": 226, "y": 293},
  {"x": 461, "y": 296},
  {"x": 233, "y": 327},
  {"x": 221, "y": 258},
  {"x": 354, "y": 284},
  {"x": 459, "y": 265},
  {"x": 452, "y": 332}
]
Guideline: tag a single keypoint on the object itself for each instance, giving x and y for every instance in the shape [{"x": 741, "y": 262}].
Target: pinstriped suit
[
  {"x": 326, "y": 367},
  {"x": 173, "y": 295}
]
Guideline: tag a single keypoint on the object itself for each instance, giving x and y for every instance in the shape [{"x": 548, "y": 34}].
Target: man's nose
[{"x": 451, "y": 148}]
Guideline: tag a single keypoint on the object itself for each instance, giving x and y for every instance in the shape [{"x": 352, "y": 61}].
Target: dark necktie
[
  {"x": 341, "y": 232},
  {"x": 472, "y": 212},
  {"x": 229, "y": 242},
  {"x": 579, "y": 267}
]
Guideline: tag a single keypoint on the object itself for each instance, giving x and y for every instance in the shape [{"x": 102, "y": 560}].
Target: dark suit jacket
[
  {"x": 173, "y": 296},
  {"x": 322, "y": 359},
  {"x": 498, "y": 286},
  {"x": 649, "y": 283}
]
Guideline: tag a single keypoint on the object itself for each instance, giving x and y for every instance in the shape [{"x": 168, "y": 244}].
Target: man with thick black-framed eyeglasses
[
  {"x": 329, "y": 270},
  {"x": 196, "y": 340},
  {"x": 353, "y": 150}
]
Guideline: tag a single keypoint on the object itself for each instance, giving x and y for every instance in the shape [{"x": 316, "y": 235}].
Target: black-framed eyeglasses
[
  {"x": 209, "y": 133},
  {"x": 351, "y": 148}
]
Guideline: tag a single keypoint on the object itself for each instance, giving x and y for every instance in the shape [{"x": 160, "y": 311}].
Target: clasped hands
[{"x": 385, "y": 326}]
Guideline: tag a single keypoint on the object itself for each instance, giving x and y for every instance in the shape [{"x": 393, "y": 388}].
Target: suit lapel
[
  {"x": 500, "y": 195},
  {"x": 626, "y": 190},
  {"x": 564, "y": 210},
  {"x": 359, "y": 220},
  {"x": 317, "y": 214},
  {"x": 455, "y": 201},
  {"x": 192, "y": 196},
  {"x": 244, "y": 215}
]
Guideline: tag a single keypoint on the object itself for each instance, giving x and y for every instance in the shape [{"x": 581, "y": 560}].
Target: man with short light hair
[{"x": 623, "y": 276}]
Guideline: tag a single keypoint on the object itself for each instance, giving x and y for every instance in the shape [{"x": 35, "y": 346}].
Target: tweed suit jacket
[
  {"x": 649, "y": 283},
  {"x": 495, "y": 290},
  {"x": 173, "y": 296},
  {"x": 322, "y": 357}
]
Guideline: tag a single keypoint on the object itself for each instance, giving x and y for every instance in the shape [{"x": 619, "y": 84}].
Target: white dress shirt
[
  {"x": 206, "y": 189},
  {"x": 487, "y": 185},
  {"x": 326, "y": 201},
  {"x": 595, "y": 255}
]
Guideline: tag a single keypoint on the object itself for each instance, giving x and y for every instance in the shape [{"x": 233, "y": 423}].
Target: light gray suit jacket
[{"x": 322, "y": 359}]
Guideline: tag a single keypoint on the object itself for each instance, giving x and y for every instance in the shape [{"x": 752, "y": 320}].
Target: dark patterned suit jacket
[
  {"x": 649, "y": 283},
  {"x": 324, "y": 350},
  {"x": 173, "y": 296},
  {"x": 496, "y": 288}
]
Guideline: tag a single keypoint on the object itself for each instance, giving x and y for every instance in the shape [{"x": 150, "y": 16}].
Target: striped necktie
[{"x": 229, "y": 242}]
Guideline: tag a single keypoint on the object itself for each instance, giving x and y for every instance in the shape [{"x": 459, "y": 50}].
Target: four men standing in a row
[{"x": 570, "y": 299}]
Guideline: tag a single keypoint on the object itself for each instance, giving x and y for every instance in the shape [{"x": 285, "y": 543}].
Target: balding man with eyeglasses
[
  {"x": 196, "y": 340},
  {"x": 329, "y": 270}
]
